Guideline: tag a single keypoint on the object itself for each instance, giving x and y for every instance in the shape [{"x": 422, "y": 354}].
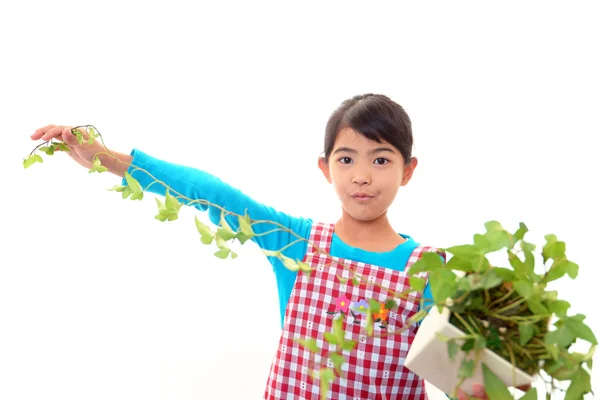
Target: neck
[{"x": 375, "y": 235}]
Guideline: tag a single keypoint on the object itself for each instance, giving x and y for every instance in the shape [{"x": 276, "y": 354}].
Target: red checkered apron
[{"x": 375, "y": 368}]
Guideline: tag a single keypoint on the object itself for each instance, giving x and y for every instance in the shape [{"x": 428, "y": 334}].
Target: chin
[{"x": 363, "y": 216}]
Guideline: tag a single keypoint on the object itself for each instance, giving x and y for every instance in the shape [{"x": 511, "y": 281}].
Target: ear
[
  {"x": 409, "y": 169},
  {"x": 324, "y": 166}
]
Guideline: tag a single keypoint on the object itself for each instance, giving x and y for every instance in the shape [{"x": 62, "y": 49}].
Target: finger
[
  {"x": 462, "y": 395},
  {"x": 54, "y": 132},
  {"x": 41, "y": 131},
  {"x": 479, "y": 391}
]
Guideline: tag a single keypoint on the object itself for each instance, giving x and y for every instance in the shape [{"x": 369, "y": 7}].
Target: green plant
[{"x": 507, "y": 309}]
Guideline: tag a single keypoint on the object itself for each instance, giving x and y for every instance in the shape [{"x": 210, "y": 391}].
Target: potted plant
[
  {"x": 502, "y": 325},
  {"x": 496, "y": 325}
]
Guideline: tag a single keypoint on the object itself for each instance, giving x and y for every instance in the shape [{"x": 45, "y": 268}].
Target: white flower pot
[{"x": 428, "y": 357}]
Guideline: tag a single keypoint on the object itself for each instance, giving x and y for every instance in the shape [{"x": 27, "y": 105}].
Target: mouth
[{"x": 362, "y": 196}]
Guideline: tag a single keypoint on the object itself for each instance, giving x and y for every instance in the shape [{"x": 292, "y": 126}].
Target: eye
[
  {"x": 381, "y": 161},
  {"x": 345, "y": 160}
]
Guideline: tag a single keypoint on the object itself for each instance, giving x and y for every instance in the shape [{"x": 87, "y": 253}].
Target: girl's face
[{"x": 366, "y": 175}]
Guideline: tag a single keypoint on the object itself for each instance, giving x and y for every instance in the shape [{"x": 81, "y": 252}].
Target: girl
[{"x": 367, "y": 158}]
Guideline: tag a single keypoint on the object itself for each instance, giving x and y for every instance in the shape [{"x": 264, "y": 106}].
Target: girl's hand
[
  {"x": 479, "y": 392},
  {"x": 83, "y": 153}
]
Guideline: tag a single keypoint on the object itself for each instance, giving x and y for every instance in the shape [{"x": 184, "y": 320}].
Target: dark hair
[{"x": 376, "y": 117}]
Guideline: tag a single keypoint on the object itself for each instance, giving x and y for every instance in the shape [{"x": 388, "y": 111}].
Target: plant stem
[{"x": 511, "y": 305}]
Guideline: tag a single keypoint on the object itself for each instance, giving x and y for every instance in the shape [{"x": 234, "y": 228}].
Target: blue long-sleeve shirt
[{"x": 196, "y": 184}]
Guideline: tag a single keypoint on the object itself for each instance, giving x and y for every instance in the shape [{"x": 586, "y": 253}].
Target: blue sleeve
[
  {"x": 196, "y": 184},
  {"x": 427, "y": 295}
]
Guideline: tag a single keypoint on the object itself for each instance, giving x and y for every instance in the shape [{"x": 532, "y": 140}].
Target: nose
[{"x": 361, "y": 176}]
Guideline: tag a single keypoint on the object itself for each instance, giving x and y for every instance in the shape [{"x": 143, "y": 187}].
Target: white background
[{"x": 98, "y": 300}]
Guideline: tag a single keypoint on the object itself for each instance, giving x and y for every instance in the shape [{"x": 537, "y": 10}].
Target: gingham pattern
[{"x": 375, "y": 368}]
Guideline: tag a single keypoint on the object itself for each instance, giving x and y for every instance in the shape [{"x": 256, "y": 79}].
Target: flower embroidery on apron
[{"x": 374, "y": 369}]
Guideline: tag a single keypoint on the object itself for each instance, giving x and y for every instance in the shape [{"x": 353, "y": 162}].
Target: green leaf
[
  {"x": 369, "y": 322},
  {"x": 206, "y": 234},
  {"x": 225, "y": 234},
  {"x": 374, "y": 306},
  {"x": 225, "y": 230},
  {"x": 536, "y": 306},
  {"x": 580, "y": 385},
  {"x": 520, "y": 233},
  {"x": 427, "y": 262},
  {"x": 495, "y": 238},
  {"x": 553, "y": 248},
  {"x": 465, "y": 250},
  {"x": 516, "y": 263},
  {"x": 289, "y": 263},
  {"x": 134, "y": 186},
  {"x": 62, "y": 147},
  {"x": 221, "y": 243},
  {"x": 529, "y": 264},
  {"x": 118, "y": 188},
  {"x": 549, "y": 295},
  {"x": 561, "y": 267},
  {"x": 467, "y": 368},
  {"x": 530, "y": 395},
  {"x": 325, "y": 377},
  {"x": 77, "y": 133},
  {"x": 390, "y": 304},
  {"x": 330, "y": 338},
  {"x": 308, "y": 344},
  {"x": 242, "y": 237},
  {"x": 561, "y": 336},
  {"x": 29, "y": 161},
  {"x": 452, "y": 349},
  {"x": 529, "y": 247},
  {"x": 468, "y": 345},
  {"x": 97, "y": 166},
  {"x": 480, "y": 342},
  {"x": 443, "y": 285},
  {"x": 245, "y": 225},
  {"x": 164, "y": 213},
  {"x": 304, "y": 267},
  {"x": 493, "y": 227},
  {"x": 338, "y": 361},
  {"x": 171, "y": 202},
  {"x": 559, "y": 307},
  {"x": 338, "y": 329},
  {"x": 271, "y": 253},
  {"x": 92, "y": 132},
  {"x": 468, "y": 262},
  {"x": 49, "y": 150},
  {"x": 342, "y": 280},
  {"x": 126, "y": 192},
  {"x": 580, "y": 329},
  {"x": 490, "y": 279},
  {"x": 417, "y": 283},
  {"x": 462, "y": 263},
  {"x": 349, "y": 345},
  {"x": 526, "y": 332},
  {"x": 505, "y": 274},
  {"x": 524, "y": 288},
  {"x": 551, "y": 348},
  {"x": 494, "y": 387},
  {"x": 222, "y": 253},
  {"x": 561, "y": 368}
]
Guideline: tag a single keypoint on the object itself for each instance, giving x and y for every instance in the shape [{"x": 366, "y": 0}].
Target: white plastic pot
[{"x": 428, "y": 357}]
